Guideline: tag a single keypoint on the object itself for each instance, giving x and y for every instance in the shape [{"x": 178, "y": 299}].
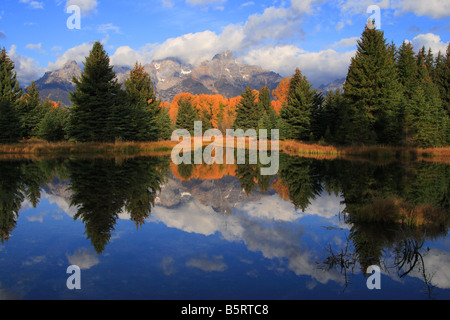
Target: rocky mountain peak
[{"x": 225, "y": 55}]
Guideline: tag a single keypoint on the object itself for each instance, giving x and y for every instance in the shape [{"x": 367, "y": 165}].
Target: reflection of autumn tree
[{"x": 101, "y": 189}]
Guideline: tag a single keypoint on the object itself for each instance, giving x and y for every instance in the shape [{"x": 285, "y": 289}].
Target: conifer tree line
[
  {"x": 392, "y": 96},
  {"x": 102, "y": 110}
]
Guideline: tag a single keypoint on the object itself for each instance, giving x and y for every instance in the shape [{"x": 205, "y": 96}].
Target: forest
[{"x": 396, "y": 96}]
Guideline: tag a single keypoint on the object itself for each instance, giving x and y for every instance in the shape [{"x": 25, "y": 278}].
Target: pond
[{"x": 144, "y": 228}]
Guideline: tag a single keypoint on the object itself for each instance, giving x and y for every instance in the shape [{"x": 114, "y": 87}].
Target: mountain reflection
[{"x": 395, "y": 206}]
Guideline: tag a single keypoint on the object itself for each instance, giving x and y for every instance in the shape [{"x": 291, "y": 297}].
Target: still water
[{"x": 143, "y": 228}]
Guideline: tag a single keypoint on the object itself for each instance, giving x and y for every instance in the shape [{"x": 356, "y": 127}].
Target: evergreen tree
[
  {"x": 9, "y": 85},
  {"x": 28, "y": 110},
  {"x": 10, "y": 94},
  {"x": 297, "y": 111},
  {"x": 99, "y": 111},
  {"x": 409, "y": 84},
  {"x": 431, "y": 121},
  {"x": 52, "y": 126},
  {"x": 187, "y": 115},
  {"x": 247, "y": 116},
  {"x": 9, "y": 122},
  {"x": 443, "y": 79},
  {"x": 334, "y": 118},
  {"x": 268, "y": 116},
  {"x": 164, "y": 124},
  {"x": 371, "y": 90},
  {"x": 143, "y": 104},
  {"x": 264, "y": 101}
]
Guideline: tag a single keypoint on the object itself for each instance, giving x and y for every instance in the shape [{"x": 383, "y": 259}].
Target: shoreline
[{"x": 37, "y": 148}]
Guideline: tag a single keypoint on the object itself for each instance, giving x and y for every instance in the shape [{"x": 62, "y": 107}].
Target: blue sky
[{"x": 317, "y": 36}]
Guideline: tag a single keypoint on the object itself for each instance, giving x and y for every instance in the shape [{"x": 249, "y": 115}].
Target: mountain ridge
[{"x": 223, "y": 74}]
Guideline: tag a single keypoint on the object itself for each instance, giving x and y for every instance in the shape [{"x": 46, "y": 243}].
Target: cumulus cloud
[
  {"x": 319, "y": 67},
  {"x": 126, "y": 56},
  {"x": 345, "y": 43},
  {"x": 429, "y": 40},
  {"x": 436, "y": 9},
  {"x": 27, "y": 68},
  {"x": 86, "y": 6},
  {"x": 84, "y": 258},
  {"x": 274, "y": 25},
  {"x": 78, "y": 54}
]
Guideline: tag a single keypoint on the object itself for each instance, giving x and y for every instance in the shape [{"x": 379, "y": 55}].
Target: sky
[{"x": 317, "y": 36}]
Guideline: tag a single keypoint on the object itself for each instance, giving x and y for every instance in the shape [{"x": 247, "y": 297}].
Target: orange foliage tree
[{"x": 281, "y": 94}]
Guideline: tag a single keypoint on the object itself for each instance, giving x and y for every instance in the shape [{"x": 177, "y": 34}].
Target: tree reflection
[
  {"x": 103, "y": 188},
  {"x": 20, "y": 181}
]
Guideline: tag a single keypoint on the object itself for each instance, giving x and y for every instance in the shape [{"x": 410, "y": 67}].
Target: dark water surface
[{"x": 144, "y": 228}]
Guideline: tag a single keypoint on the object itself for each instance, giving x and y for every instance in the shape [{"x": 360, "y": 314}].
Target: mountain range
[{"x": 223, "y": 75}]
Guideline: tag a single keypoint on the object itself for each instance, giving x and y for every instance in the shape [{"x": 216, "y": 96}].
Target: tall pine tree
[
  {"x": 10, "y": 94},
  {"x": 187, "y": 115},
  {"x": 29, "y": 111},
  {"x": 297, "y": 111},
  {"x": 144, "y": 105},
  {"x": 99, "y": 110},
  {"x": 247, "y": 116},
  {"x": 371, "y": 90}
]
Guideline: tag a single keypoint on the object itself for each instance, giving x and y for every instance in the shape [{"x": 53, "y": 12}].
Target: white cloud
[
  {"x": 33, "y": 4},
  {"x": 436, "y": 9},
  {"x": 36, "y": 47},
  {"x": 126, "y": 56},
  {"x": 345, "y": 43},
  {"x": 86, "y": 6},
  {"x": 104, "y": 28},
  {"x": 27, "y": 68},
  {"x": 274, "y": 25},
  {"x": 319, "y": 67},
  {"x": 204, "y": 2},
  {"x": 78, "y": 54},
  {"x": 84, "y": 258},
  {"x": 429, "y": 40},
  {"x": 167, "y": 3}
]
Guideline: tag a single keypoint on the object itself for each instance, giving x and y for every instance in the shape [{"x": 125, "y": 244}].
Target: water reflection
[
  {"x": 389, "y": 214},
  {"x": 102, "y": 189}
]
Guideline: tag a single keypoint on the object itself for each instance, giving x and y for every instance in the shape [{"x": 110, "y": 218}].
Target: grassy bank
[
  {"x": 376, "y": 153},
  {"x": 291, "y": 147},
  {"x": 42, "y": 148}
]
